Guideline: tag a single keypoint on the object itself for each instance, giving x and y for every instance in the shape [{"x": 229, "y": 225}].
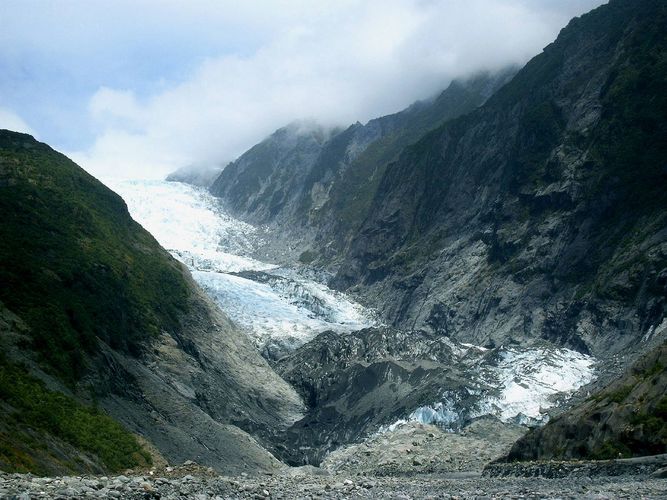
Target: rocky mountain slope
[
  {"x": 377, "y": 379},
  {"x": 492, "y": 228},
  {"x": 316, "y": 182},
  {"x": 541, "y": 214},
  {"x": 94, "y": 308}
]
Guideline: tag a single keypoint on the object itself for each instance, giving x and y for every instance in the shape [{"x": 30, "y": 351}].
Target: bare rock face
[
  {"x": 316, "y": 184},
  {"x": 537, "y": 214},
  {"x": 414, "y": 448},
  {"x": 501, "y": 212},
  {"x": 354, "y": 383},
  {"x": 204, "y": 394},
  {"x": 542, "y": 213}
]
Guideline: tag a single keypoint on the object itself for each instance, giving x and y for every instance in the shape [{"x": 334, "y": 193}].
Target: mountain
[
  {"x": 316, "y": 182},
  {"x": 504, "y": 230},
  {"x": 542, "y": 214},
  {"x": 497, "y": 213},
  {"x": 101, "y": 320},
  {"x": 536, "y": 213},
  {"x": 197, "y": 175}
]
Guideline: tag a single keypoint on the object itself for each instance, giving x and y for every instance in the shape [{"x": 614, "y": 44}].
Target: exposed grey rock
[
  {"x": 660, "y": 473},
  {"x": 648, "y": 466},
  {"x": 206, "y": 386},
  {"x": 511, "y": 223},
  {"x": 202, "y": 176},
  {"x": 396, "y": 454},
  {"x": 303, "y": 178}
]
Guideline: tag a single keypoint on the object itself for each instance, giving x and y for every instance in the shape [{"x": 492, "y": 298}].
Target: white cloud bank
[
  {"x": 11, "y": 121},
  {"x": 335, "y": 62}
]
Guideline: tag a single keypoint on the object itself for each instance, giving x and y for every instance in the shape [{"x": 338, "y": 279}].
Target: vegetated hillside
[
  {"x": 627, "y": 418},
  {"x": 47, "y": 432},
  {"x": 74, "y": 265},
  {"x": 316, "y": 182},
  {"x": 94, "y": 308},
  {"x": 543, "y": 214}
]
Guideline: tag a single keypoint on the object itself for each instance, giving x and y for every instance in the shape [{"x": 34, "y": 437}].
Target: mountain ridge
[
  {"x": 315, "y": 185},
  {"x": 495, "y": 185}
]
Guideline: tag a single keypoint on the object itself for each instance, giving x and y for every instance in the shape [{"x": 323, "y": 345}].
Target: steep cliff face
[
  {"x": 541, "y": 214},
  {"x": 94, "y": 307},
  {"x": 319, "y": 183},
  {"x": 267, "y": 178}
]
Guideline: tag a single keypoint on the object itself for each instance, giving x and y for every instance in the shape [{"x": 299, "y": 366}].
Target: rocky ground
[
  {"x": 308, "y": 483},
  {"x": 413, "y": 448},
  {"x": 412, "y": 461}
]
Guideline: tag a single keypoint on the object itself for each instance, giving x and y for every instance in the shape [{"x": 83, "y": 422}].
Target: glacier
[
  {"x": 514, "y": 384},
  {"x": 279, "y": 308}
]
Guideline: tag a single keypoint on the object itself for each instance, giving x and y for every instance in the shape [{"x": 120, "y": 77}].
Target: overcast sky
[{"x": 138, "y": 88}]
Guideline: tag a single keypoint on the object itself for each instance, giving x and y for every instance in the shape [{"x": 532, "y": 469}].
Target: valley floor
[
  {"x": 302, "y": 484},
  {"x": 416, "y": 462}
]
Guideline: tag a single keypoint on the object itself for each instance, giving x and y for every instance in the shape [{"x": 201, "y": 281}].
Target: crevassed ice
[
  {"x": 440, "y": 413},
  {"x": 529, "y": 379},
  {"x": 521, "y": 385},
  {"x": 271, "y": 313},
  {"x": 284, "y": 306},
  {"x": 188, "y": 222}
]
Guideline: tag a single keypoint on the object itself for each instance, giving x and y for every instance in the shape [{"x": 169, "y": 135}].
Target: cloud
[
  {"x": 11, "y": 121},
  {"x": 217, "y": 77}
]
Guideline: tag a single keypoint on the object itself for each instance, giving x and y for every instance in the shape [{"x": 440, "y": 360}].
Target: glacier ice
[
  {"x": 274, "y": 305},
  {"x": 513, "y": 384},
  {"x": 284, "y": 308}
]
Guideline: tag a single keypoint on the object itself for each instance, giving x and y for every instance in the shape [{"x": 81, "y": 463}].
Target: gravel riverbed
[{"x": 309, "y": 483}]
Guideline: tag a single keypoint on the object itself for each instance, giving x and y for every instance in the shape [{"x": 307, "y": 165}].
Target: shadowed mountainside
[{"x": 541, "y": 214}]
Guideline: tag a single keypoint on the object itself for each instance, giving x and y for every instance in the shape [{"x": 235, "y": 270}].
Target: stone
[{"x": 660, "y": 473}]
